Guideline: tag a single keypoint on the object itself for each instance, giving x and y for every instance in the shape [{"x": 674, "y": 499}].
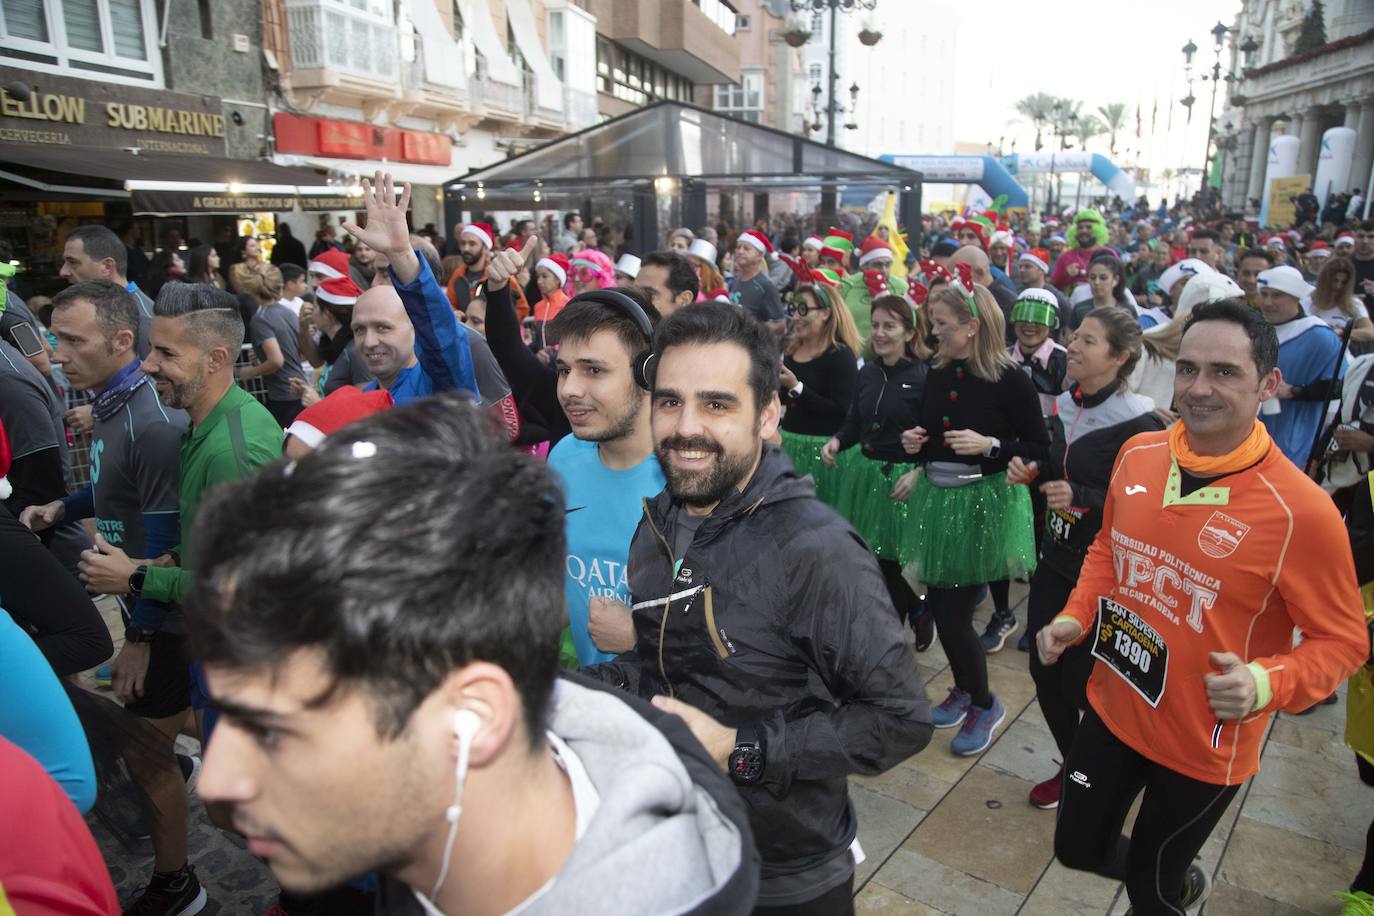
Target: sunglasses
[{"x": 800, "y": 308}]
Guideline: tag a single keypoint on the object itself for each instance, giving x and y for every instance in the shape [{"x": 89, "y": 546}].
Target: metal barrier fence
[{"x": 80, "y": 452}]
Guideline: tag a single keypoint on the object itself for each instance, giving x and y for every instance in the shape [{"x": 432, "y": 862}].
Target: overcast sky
[{"x": 1112, "y": 51}]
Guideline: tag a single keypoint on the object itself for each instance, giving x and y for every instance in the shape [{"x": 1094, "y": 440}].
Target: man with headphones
[{"x": 607, "y": 467}]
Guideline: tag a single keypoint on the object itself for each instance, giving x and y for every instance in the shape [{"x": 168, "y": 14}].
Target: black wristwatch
[
  {"x": 136, "y": 581},
  {"x": 135, "y": 633},
  {"x": 747, "y": 759}
]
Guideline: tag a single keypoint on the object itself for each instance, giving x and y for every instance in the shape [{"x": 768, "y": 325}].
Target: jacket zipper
[
  {"x": 667, "y": 604},
  {"x": 711, "y": 626}
]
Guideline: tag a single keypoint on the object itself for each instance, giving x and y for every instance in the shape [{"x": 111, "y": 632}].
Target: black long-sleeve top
[
  {"x": 533, "y": 383},
  {"x": 828, "y": 383},
  {"x": 1008, "y": 409},
  {"x": 887, "y": 402}
]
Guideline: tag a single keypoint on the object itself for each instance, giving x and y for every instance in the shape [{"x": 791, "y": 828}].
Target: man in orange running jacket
[{"x": 1213, "y": 548}]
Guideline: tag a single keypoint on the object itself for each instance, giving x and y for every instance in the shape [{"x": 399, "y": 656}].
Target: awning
[
  {"x": 477, "y": 19},
  {"x": 548, "y": 87},
  {"x": 435, "y": 175},
  {"x": 442, "y": 63}
]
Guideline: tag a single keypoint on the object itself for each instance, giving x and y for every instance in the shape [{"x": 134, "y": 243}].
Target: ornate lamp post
[
  {"x": 797, "y": 35},
  {"x": 1247, "y": 49}
]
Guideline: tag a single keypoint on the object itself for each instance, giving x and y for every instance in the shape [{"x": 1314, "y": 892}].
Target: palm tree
[
  {"x": 1114, "y": 116},
  {"x": 1087, "y": 127},
  {"x": 1039, "y": 110}
]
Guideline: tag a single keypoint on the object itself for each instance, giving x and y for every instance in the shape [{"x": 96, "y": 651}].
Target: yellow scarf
[{"x": 1250, "y": 451}]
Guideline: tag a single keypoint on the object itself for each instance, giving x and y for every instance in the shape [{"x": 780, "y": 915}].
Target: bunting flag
[{"x": 895, "y": 240}]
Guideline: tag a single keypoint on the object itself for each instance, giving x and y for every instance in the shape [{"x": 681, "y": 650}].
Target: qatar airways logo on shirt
[
  {"x": 599, "y": 576},
  {"x": 1157, "y": 579}
]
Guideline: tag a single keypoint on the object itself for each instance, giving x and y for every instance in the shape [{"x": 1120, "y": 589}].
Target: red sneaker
[{"x": 1045, "y": 795}]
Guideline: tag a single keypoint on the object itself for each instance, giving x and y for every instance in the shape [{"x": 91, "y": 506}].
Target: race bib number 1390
[{"x": 1132, "y": 648}]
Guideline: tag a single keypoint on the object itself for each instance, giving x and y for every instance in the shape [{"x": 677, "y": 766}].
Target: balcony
[
  {"x": 340, "y": 54},
  {"x": 497, "y": 101},
  {"x": 539, "y": 117},
  {"x": 579, "y": 109},
  {"x": 440, "y": 95},
  {"x": 676, "y": 35},
  {"x": 1331, "y": 74}
]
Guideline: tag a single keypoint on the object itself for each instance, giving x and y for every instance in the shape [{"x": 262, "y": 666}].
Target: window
[
  {"x": 635, "y": 79},
  {"x": 742, "y": 100},
  {"x": 742, "y": 23},
  {"x": 113, "y": 38},
  {"x": 718, "y": 12},
  {"x": 457, "y": 23},
  {"x": 815, "y": 74},
  {"x": 817, "y": 26}
]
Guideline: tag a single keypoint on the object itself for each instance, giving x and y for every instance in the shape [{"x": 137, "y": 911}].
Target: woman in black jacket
[
  {"x": 816, "y": 383},
  {"x": 871, "y": 489},
  {"x": 1092, "y": 420},
  {"x": 978, "y": 412}
]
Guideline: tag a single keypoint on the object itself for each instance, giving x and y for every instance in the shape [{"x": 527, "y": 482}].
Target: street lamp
[
  {"x": 870, "y": 36},
  {"x": 1247, "y": 49}
]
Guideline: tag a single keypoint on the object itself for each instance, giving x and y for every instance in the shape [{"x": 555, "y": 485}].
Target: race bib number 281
[{"x": 1132, "y": 648}]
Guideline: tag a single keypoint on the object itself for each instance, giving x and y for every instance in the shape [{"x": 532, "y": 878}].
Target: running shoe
[
  {"x": 1197, "y": 887},
  {"x": 104, "y": 676},
  {"x": 1356, "y": 903},
  {"x": 171, "y": 894},
  {"x": 190, "y": 771},
  {"x": 976, "y": 733},
  {"x": 1024, "y": 643},
  {"x": 924, "y": 626},
  {"x": 1045, "y": 795},
  {"x": 952, "y": 711},
  {"x": 999, "y": 627}
]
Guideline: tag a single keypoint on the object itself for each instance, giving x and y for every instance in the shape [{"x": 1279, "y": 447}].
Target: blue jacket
[{"x": 441, "y": 342}]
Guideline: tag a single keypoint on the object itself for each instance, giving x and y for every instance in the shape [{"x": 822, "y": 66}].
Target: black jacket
[
  {"x": 887, "y": 402},
  {"x": 778, "y": 619},
  {"x": 1085, "y": 437}
]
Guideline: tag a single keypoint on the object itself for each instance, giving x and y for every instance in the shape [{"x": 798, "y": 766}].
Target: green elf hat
[
  {"x": 831, "y": 277},
  {"x": 1038, "y": 306},
  {"x": 839, "y": 239}
]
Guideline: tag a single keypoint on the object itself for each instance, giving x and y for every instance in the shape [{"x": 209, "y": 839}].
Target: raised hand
[{"x": 387, "y": 231}]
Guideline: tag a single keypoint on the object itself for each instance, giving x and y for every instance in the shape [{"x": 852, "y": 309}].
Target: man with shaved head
[{"x": 978, "y": 262}]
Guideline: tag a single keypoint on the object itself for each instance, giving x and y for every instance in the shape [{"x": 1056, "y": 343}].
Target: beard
[
  {"x": 470, "y": 259},
  {"x": 710, "y": 485},
  {"x": 181, "y": 394},
  {"x": 619, "y": 427}
]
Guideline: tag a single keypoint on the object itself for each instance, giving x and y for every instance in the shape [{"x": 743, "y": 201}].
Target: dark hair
[
  {"x": 1264, "y": 342},
  {"x": 290, "y": 272},
  {"x": 1365, "y": 225},
  {"x": 682, "y": 278},
  {"x": 394, "y": 594},
  {"x": 944, "y": 248},
  {"x": 1255, "y": 253},
  {"x": 705, "y": 323},
  {"x": 211, "y": 313},
  {"x": 198, "y": 264},
  {"x": 100, "y": 243},
  {"x": 157, "y": 274},
  {"x": 900, "y": 309},
  {"x": 115, "y": 307},
  {"x": 569, "y": 217},
  {"x": 284, "y": 231},
  {"x": 1112, "y": 261},
  {"x": 1124, "y": 335},
  {"x": 1210, "y": 235},
  {"x": 581, "y": 318},
  {"x": 241, "y": 246}
]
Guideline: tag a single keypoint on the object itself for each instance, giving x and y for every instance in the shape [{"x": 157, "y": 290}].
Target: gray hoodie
[{"x": 670, "y": 834}]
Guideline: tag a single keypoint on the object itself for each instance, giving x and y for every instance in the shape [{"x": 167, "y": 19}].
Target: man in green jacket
[{"x": 857, "y": 289}]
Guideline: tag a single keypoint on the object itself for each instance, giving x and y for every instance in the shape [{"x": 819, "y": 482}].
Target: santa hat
[
  {"x": 834, "y": 254},
  {"x": 338, "y": 291},
  {"x": 1319, "y": 250},
  {"x": 336, "y": 411},
  {"x": 1037, "y": 306},
  {"x": 717, "y": 295},
  {"x": 1277, "y": 242},
  {"x": 827, "y": 275},
  {"x": 482, "y": 232},
  {"x": 556, "y": 264},
  {"x": 1037, "y": 256},
  {"x": 874, "y": 249},
  {"x": 838, "y": 238},
  {"x": 814, "y": 241},
  {"x": 700, "y": 248},
  {"x": 1001, "y": 235},
  {"x": 628, "y": 265},
  {"x": 755, "y": 239},
  {"x": 1345, "y": 238},
  {"x": 1052, "y": 222},
  {"x": 1057, "y": 237},
  {"x": 1285, "y": 279},
  {"x": 331, "y": 263}
]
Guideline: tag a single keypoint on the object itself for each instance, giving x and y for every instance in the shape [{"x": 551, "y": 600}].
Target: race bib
[
  {"x": 1061, "y": 522},
  {"x": 1132, "y": 648}
]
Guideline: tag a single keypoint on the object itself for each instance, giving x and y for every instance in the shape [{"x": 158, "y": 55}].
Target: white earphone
[{"x": 466, "y": 725}]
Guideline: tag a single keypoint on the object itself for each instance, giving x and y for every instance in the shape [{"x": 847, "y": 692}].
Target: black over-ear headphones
[{"x": 644, "y": 362}]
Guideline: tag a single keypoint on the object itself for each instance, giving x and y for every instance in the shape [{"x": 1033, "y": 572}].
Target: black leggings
[
  {"x": 838, "y": 901},
  {"x": 953, "y": 610},
  {"x": 903, "y": 597},
  {"x": 1061, "y": 687},
  {"x": 1364, "y": 881},
  {"x": 1102, "y": 777}
]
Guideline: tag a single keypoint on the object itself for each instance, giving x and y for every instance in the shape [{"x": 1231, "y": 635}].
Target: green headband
[{"x": 1034, "y": 312}]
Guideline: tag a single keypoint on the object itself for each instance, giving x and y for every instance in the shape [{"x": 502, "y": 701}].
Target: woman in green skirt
[
  {"x": 817, "y": 379},
  {"x": 971, "y": 527},
  {"x": 874, "y": 481}
]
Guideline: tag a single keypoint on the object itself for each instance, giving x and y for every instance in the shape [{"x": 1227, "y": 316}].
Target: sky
[{"x": 1111, "y": 51}]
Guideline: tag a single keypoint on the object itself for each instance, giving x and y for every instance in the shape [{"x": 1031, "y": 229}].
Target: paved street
[{"x": 946, "y": 834}]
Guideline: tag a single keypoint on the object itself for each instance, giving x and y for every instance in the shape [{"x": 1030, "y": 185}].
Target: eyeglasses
[{"x": 799, "y": 308}]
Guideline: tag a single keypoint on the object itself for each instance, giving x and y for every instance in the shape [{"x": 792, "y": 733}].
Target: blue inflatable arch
[{"x": 985, "y": 171}]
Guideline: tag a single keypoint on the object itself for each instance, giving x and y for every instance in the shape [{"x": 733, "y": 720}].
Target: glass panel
[
  {"x": 25, "y": 19},
  {"x": 82, "y": 18},
  {"x": 126, "y": 19}
]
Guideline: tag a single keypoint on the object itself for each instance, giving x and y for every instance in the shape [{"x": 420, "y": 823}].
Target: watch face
[{"x": 746, "y": 764}]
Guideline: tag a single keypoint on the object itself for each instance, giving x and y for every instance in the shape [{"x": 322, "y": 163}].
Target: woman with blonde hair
[
  {"x": 1334, "y": 302},
  {"x": 978, "y": 412}
]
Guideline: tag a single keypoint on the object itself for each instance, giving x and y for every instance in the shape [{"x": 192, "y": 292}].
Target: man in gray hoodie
[{"x": 379, "y": 626}]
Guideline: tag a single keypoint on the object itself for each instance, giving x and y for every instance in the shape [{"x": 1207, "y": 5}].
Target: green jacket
[
  {"x": 236, "y": 438},
  {"x": 854, "y": 292}
]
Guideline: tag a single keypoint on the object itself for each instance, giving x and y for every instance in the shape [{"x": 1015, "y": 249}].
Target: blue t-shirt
[
  {"x": 1308, "y": 351},
  {"x": 604, "y": 508}
]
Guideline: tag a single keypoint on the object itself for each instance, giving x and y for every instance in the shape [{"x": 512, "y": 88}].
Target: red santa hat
[
  {"x": 1345, "y": 237},
  {"x": 338, "y": 291},
  {"x": 874, "y": 249},
  {"x": 1276, "y": 241},
  {"x": 336, "y": 411},
  {"x": 755, "y": 239},
  {"x": 1037, "y": 256},
  {"x": 1319, "y": 249},
  {"x": 331, "y": 263},
  {"x": 556, "y": 264},
  {"x": 814, "y": 241},
  {"x": 482, "y": 232},
  {"x": 717, "y": 295}
]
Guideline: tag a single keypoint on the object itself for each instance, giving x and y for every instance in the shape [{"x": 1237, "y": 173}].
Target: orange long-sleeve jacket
[{"x": 1232, "y": 567}]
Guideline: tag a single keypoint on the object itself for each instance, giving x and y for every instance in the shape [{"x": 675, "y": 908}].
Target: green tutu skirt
[
  {"x": 864, "y": 496},
  {"x": 969, "y": 535},
  {"x": 805, "y": 452}
]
